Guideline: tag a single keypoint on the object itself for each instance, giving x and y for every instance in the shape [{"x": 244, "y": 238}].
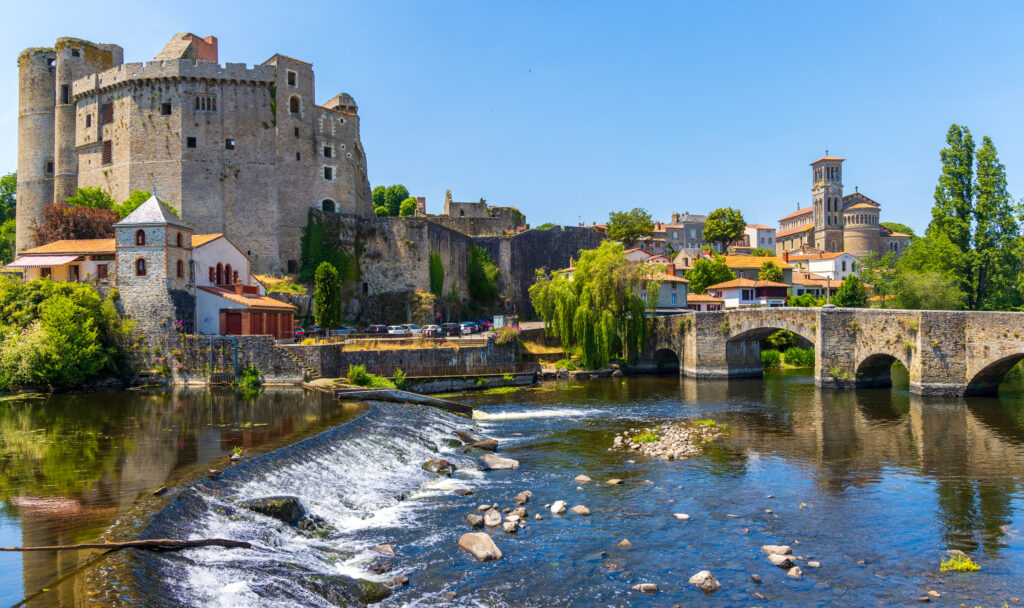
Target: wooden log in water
[{"x": 160, "y": 543}]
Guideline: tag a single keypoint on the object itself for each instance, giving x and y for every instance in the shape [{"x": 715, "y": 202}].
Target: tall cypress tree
[
  {"x": 996, "y": 234},
  {"x": 954, "y": 200}
]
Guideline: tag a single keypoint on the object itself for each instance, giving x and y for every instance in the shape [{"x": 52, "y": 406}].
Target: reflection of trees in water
[{"x": 975, "y": 513}]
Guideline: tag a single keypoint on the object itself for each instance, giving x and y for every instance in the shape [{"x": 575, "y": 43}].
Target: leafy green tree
[
  {"x": 770, "y": 272},
  {"x": 782, "y": 339},
  {"x": 481, "y": 276},
  {"x": 851, "y": 293},
  {"x": 408, "y": 207},
  {"x": 928, "y": 290},
  {"x": 91, "y": 198},
  {"x": 628, "y": 226},
  {"x": 724, "y": 226},
  {"x": 898, "y": 227},
  {"x": 879, "y": 271},
  {"x": 327, "y": 298},
  {"x": 390, "y": 198},
  {"x": 762, "y": 252},
  {"x": 805, "y": 300},
  {"x": 380, "y": 211},
  {"x": 136, "y": 198},
  {"x": 707, "y": 272},
  {"x": 7, "y": 230},
  {"x": 436, "y": 274},
  {"x": 545, "y": 226},
  {"x": 599, "y": 311},
  {"x": 997, "y": 247},
  {"x": 8, "y": 191}
]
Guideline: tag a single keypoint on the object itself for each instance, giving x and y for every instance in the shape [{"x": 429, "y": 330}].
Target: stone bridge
[{"x": 946, "y": 352}]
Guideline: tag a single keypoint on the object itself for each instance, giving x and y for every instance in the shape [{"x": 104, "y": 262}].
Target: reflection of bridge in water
[
  {"x": 972, "y": 450},
  {"x": 946, "y": 352}
]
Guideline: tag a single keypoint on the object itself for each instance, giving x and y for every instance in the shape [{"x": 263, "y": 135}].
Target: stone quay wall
[
  {"x": 331, "y": 361},
  {"x": 273, "y": 360}
]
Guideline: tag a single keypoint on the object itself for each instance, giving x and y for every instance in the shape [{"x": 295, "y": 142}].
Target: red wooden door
[{"x": 234, "y": 323}]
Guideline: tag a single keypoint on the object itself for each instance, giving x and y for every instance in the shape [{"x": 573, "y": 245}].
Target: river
[{"x": 874, "y": 484}]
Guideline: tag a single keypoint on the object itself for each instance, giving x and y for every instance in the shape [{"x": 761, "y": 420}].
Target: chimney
[
  {"x": 239, "y": 289},
  {"x": 785, "y": 256},
  {"x": 671, "y": 269}
]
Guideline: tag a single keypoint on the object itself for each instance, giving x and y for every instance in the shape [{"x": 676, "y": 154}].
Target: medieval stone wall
[{"x": 331, "y": 361}]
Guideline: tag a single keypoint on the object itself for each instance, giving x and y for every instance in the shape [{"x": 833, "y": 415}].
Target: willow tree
[{"x": 600, "y": 309}]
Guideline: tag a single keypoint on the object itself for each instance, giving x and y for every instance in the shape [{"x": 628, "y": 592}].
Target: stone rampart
[{"x": 331, "y": 361}]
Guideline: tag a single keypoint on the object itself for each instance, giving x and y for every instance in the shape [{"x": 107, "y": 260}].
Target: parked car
[
  {"x": 466, "y": 327},
  {"x": 433, "y": 331},
  {"x": 341, "y": 330},
  {"x": 299, "y": 332},
  {"x": 314, "y": 331},
  {"x": 377, "y": 329},
  {"x": 397, "y": 330},
  {"x": 412, "y": 329},
  {"x": 485, "y": 325},
  {"x": 451, "y": 329}
]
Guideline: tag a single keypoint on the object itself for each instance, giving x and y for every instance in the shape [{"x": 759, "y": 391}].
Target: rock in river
[
  {"x": 580, "y": 510},
  {"x": 645, "y": 587},
  {"x": 558, "y": 507},
  {"x": 439, "y": 466},
  {"x": 475, "y": 521},
  {"x": 492, "y": 518},
  {"x": 510, "y": 527},
  {"x": 523, "y": 497},
  {"x": 480, "y": 545},
  {"x": 581, "y": 479},
  {"x": 388, "y": 550},
  {"x": 682, "y": 516},
  {"x": 782, "y": 561},
  {"x": 705, "y": 581},
  {"x": 776, "y": 549},
  {"x": 493, "y": 462},
  {"x": 795, "y": 572},
  {"x": 283, "y": 508},
  {"x": 489, "y": 445}
]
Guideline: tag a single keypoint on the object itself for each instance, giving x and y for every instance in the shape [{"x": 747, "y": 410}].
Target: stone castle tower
[
  {"x": 827, "y": 200},
  {"x": 237, "y": 150}
]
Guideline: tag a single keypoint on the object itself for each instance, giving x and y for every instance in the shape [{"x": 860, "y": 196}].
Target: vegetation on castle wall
[
  {"x": 320, "y": 243},
  {"x": 436, "y": 274},
  {"x": 58, "y": 334},
  {"x": 481, "y": 276}
]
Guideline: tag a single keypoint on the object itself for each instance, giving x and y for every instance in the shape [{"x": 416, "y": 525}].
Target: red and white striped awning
[{"x": 42, "y": 261}]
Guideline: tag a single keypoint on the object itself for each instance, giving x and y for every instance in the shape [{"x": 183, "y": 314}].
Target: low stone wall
[
  {"x": 274, "y": 361},
  {"x": 330, "y": 361}
]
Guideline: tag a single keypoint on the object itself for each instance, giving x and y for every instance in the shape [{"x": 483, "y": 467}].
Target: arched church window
[
  {"x": 220, "y": 273},
  {"x": 140, "y": 267},
  {"x": 140, "y": 237},
  {"x": 227, "y": 274}
]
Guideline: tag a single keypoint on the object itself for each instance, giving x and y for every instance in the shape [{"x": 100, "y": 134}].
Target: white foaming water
[
  {"x": 536, "y": 413},
  {"x": 354, "y": 485}
]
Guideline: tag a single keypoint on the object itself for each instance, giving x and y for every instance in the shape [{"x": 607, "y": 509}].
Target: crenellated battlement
[{"x": 176, "y": 69}]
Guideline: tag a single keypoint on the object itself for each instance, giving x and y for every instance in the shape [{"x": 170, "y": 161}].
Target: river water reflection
[{"x": 70, "y": 465}]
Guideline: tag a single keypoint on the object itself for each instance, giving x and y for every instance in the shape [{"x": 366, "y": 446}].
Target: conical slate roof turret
[{"x": 153, "y": 212}]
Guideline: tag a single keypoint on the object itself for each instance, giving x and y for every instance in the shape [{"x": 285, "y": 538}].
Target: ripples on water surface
[{"x": 888, "y": 480}]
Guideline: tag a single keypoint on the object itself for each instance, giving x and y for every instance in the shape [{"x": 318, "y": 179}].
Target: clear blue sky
[{"x": 571, "y": 110}]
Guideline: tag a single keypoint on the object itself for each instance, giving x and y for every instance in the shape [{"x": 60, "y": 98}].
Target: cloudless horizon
[{"x": 571, "y": 110}]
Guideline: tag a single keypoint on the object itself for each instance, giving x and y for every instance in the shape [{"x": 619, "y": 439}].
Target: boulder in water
[
  {"x": 523, "y": 497},
  {"x": 645, "y": 587},
  {"x": 580, "y": 510},
  {"x": 558, "y": 507},
  {"x": 480, "y": 546},
  {"x": 493, "y": 462},
  {"x": 439, "y": 466},
  {"x": 287, "y": 509},
  {"x": 465, "y": 437},
  {"x": 380, "y": 565},
  {"x": 492, "y": 518},
  {"x": 782, "y": 561},
  {"x": 475, "y": 521},
  {"x": 510, "y": 527},
  {"x": 342, "y": 590},
  {"x": 705, "y": 581},
  {"x": 314, "y": 525},
  {"x": 581, "y": 479},
  {"x": 776, "y": 549},
  {"x": 489, "y": 445},
  {"x": 388, "y": 550},
  {"x": 795, "y": 572},
  {"x": 625, "y": 544}
]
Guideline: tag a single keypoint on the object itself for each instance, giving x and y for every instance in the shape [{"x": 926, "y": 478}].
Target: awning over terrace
[{"x": 42, "y": 261}]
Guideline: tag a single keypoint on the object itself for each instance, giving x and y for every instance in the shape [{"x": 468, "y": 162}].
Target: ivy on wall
[{"x": 321, "y": 242}]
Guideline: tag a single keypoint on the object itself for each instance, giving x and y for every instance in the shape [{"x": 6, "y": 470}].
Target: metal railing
[
  {"x": 454, "y": 370},
  {"x": 385, "y": 341}
]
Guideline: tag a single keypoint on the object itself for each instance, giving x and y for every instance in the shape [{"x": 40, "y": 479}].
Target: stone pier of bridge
[{"x": 945, "y": 352}]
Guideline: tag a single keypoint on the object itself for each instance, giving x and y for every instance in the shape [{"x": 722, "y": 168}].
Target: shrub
[
  {"x": 507, "y": 334},
  {"x": 358, "y": 375},
  {"x": 771, "y": 358},
  {"x": 250, "y": 378},
  {"x": 565, "y": 364},
  {"x": 308, "y": 341},
  {"x": 799, "y": 357},
  {"x": 398, "y": 378},
  {"x": 959, "y": 563}
]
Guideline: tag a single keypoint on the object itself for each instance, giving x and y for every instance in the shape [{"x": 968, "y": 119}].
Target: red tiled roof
[
  {"x": 198, "y": 240},
  {"x": 248, "y": 300},
  {"x": 797, "y": 213},
  {"x": 79, "y": 246},
  {"x": 760, "y": 226},
  {"x": 746, "y": 283},
  {"x": 826, "y": 157},
  {"x": 784, "y": 233},
  {"x": 816, "y": 256},
  {"x": 702, "y": 297}
]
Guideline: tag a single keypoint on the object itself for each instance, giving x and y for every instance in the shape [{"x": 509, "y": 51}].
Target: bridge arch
[
  {"x": 666, "y": 360},
  {"x": 743, "y": 348},
  {"x": 987, "y": 380},
  {"x": 875, "y": 370}
]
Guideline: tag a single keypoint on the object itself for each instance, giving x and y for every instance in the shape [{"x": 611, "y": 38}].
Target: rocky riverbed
[{"x": 674, "y": 441}]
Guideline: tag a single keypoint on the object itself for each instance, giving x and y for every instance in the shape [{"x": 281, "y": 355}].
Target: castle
[
  {"x": 237, "y": 150},
  {"x": 835, "y": 222}
]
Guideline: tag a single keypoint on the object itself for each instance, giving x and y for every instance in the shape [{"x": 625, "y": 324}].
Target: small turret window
[
  {"x": 294, "y": 106},
  {"x": 140, "y": 237},
  {"x": 76, "y": 53},
  {"x": 180, "y": 240},
  {"x": 181, "y": 269},
  {"x": 140, "y": 267},
  {"x": 165, "y": 109}
]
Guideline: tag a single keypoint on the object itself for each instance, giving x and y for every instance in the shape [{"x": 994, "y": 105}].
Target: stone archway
[
  {"x": 666, "y": 361},
  {"x": 743, "y": 350},
  {"x": 986, "y": 381},
  {"x": 875, "y": 371}
]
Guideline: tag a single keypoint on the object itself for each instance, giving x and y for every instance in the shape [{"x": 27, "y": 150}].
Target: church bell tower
[{"x": 827, "y": 197}]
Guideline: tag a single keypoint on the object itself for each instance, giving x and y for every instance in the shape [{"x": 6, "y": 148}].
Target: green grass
[
  {"x": 959, "y": 563},
  {"x": 646, "y": 438},
  {"x": 710, "y": 423}
]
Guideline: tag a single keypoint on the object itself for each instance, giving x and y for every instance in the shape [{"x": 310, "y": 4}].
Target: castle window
[
  {"x": 234, "y": 277},
  {"x": 227, "y": 274},
  {"x": 88, "y": 120},
  {"x": 190, "y": 142},
  {"x": 298, "y": 156},
  {"x": 328, "y": 152},
  {"x": 65, "y": 94},
  {"x": 206, "y": 103},
  {"x": 296, "y": 131},
  {"x": 292, "y": 267},
  {"x": 229, "y": 144},
  {"x": 76, "y": 53},
  {"x": 107, "y": 155},
  {"x": 49, "y": 167},
  {"x": 328, "y": 173},
  {"x": 140, "y": 267},
  {"x": 140, "y": 237},
  {"x": 213, "y": 277},
  {"x": 106, "y": 114},
  {"x": 293, "y": 79},
  {"x": 293, "y": 104},
  {"x": 181, "y": 269},
  {"x": 165, "y": 109},
  {"x": 328, "y": 205},
  {"x": 180, "y": 240}
]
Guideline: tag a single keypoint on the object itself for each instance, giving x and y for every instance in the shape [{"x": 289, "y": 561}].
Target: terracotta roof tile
[
  {"x": 784, "y": 233},
  {"x": 702, "y": 297},
  {"x": 249, "y": 301},
  {"x": 827, "y": 157},
  {"x": 80, "y": 246},
  {"x": 753, "y": 261},
  {"x": 198, "y": 240},
  {"x": 797, "y": 213},
  {"x": 746, "y": 283}
]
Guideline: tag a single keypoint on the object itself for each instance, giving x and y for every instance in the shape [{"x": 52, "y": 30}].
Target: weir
[{"x": 946, "y": 352}]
